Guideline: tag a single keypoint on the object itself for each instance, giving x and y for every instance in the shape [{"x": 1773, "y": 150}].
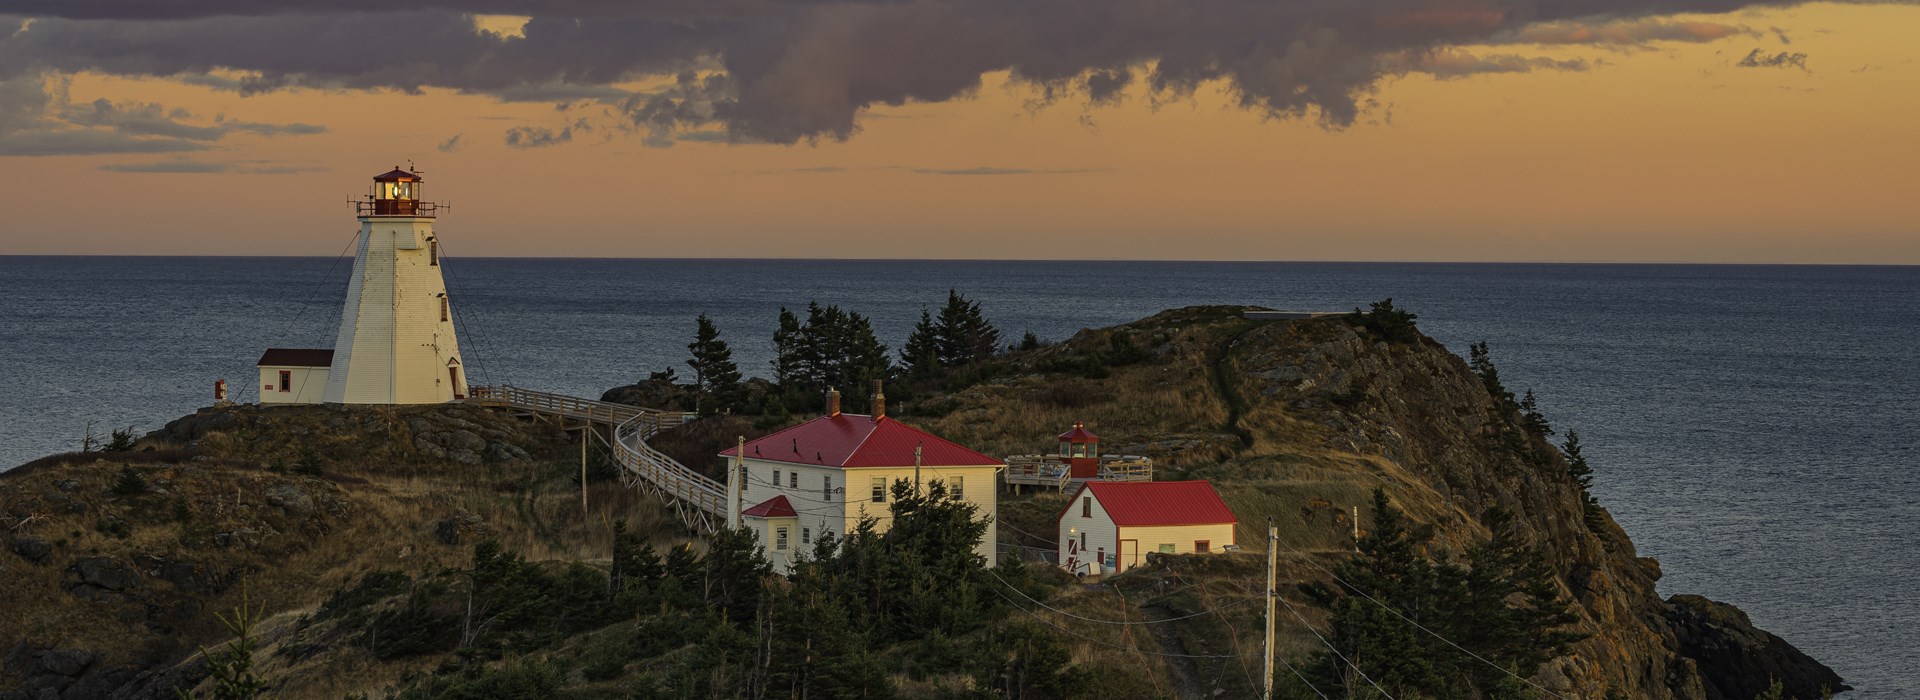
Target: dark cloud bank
[{"x": 783, "y": 71}]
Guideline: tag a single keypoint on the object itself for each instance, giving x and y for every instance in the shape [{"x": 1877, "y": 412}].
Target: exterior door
[
  {"x": 1129, "y": 554},
  {"x": 453, "y": 375}
]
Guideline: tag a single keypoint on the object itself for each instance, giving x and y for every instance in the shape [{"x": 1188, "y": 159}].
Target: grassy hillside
[{"x": 361, "y": 531}]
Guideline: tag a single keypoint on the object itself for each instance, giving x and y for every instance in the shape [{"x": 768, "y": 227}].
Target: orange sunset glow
[{"x": 1768, "y": 133}]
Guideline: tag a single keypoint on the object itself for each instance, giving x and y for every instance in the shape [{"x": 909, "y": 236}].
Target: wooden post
[
  {"x": 583, "y": 467},
  {"x": 916, "y": 469},
  {"x": 1273, "y": 541}
]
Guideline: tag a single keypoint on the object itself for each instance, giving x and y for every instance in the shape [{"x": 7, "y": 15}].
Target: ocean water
[{"x": 1756, "y": 428}]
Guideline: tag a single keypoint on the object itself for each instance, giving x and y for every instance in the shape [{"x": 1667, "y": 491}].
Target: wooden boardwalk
[{"x": 701, "y": 502}]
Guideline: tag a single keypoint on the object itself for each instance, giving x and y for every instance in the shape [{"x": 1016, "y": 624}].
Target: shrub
[
  {"x": 1386, "y": 322},
  {"x": 130, "y": 483}
]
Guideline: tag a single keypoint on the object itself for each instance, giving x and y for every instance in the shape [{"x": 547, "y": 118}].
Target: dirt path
[{"x": 1186, "y": 676}]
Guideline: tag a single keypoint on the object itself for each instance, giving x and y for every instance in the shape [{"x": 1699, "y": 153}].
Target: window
[
  {"x": 1079, "y": 449},
  {"x": 433, "y": 252},
  {"x": 1086, "y": 506},
  {"x": 443, "y": 309},
  {"x": 780, "y": 539},
  {"x": 879, "y": 489},
  {"x": 793, "y": 480},
  {"x": 1064, "y": 450},
  {"x": 286, "y": 380},
  {"x": 806, "y": 535},
  {"x": 1201, "y": 546},
  {"x": 1166, "y": 549},
  {"x": 826, "y": 487},
  {"x": 959, "y": 487},
  {"x": 1083, "y": 541},
  {"x": 776, "y": 478}
]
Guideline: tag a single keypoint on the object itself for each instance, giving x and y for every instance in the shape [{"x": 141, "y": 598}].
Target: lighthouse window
[
  {"x": 443, "y": 309},
  {"x": 1079, "y": 449},
  {"x": 433, "y": 252},
  {"x": 1064, "y": 450}
]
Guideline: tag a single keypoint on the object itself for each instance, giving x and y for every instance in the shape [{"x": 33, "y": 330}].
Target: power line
[
  {"x": 1023, "y": 594},
  {"x": 1423, "y": 628},
  {"x": 1329, "y": 646},
  {"x": 1050, "y": 623}
]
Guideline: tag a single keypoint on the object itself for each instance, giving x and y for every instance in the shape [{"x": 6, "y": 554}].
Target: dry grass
[{"x": 367, "y": 515}]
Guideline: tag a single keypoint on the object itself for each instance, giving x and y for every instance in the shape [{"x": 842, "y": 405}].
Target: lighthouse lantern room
[{"x": 396, "y": 342}]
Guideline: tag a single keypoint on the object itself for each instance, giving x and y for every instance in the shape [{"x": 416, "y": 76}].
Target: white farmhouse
[
  {"x": 824, "y": 475},
  {"x": 1110, "y": 527},
  {"x": 396, "y": 343}
]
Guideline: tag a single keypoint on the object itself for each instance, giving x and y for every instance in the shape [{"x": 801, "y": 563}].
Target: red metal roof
[
  {"x": 851, "y": 441},
  {"x": 296, "y": 357},
  {"x": 776, "y": 507},
  {"x": 397, "y": 175},
  {"x": 1079, "y": 433},
  {"x": 1149, "y": 503}
]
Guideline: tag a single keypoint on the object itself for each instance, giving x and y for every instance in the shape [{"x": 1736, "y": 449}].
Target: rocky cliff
[
  {"x": 115, "y": 562},
  {"x": 1301, "y": 419}
]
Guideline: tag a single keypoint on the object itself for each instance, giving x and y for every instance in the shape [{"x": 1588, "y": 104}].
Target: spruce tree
[
  {"x": 1531, "y": 417},
  {"x": 786, "y": 349},
  {"x": 921, "y": 355},
  {"x": 716, "y": 380},
  {"x": 963, "y": 334}
]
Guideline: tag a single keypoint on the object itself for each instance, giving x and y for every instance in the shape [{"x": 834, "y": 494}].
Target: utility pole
[
  {"x": 916, "y": 469},
  {"x": 1273, "y": 541},
  {"x": 740, "y": 480}
]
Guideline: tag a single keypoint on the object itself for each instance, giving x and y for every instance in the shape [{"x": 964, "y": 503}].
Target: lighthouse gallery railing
[{"x": 640, "y": 464}]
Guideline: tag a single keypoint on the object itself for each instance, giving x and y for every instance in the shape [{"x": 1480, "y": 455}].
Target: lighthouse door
[{"x": 453, "y": 375}]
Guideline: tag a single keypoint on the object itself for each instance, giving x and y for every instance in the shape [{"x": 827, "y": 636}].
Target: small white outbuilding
[
  {"x": 294, "y": 375},
  {"x": 1110, "y": 527}
]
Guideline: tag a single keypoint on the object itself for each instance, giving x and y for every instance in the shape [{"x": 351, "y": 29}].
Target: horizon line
[{"x": 1011, "y": 260}]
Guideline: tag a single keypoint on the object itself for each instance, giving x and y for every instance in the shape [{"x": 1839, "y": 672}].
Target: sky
[{"x": 1404, "y": 130}]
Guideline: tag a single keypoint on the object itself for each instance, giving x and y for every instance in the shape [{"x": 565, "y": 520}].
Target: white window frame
[
  {"x": 780, "y": 539},
  {"x": 879, "y": 489}
]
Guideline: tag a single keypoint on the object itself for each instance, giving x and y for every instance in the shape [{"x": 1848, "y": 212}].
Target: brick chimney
[
  {"x": 879, "y": 401},
  {"x": 833, "y": 402}
]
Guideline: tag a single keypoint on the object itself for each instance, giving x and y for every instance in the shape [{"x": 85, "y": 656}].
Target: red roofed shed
[{"x": 1112, "y": 526}]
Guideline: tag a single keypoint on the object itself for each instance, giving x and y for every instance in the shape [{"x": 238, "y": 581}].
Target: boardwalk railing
[
  {"x": 701, "y": 501},
  {"x": 1051, "y": 471}
]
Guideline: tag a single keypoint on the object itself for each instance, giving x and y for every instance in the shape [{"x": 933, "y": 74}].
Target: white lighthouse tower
[{"x": 396, "y": 343}]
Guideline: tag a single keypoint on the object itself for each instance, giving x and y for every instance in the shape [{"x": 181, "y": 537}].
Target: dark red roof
[
  {"x": 1149, "y": 503},
  {"x": 776, "y": 507},
  {"x": 1079, "y": 433},
  {"x": 397, "y": 175},
  {"x": 296, "y": 357},
  {"x": 848, "y": 441}
]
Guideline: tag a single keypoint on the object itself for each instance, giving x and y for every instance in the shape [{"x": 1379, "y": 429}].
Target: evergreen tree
[
  {"x": 1512, "y": 613},
  {"x": 1029, "y": 342},
  {"x": 1582, "y": 474},
  {"x": 1390, "y": 324},
  {"x": 786, "y": 349},
  {"x": 963, "y": 335},
  {"x": 1482, "y": 363},
  {"x": 921, "y": 355},
  {"x": 1531, "y": 418},
  {"x": 716, "y": 380}
]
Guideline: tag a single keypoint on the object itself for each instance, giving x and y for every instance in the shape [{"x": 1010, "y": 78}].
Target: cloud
[
  {"x": 1002, "y": 171},
  {"x": 177, "y": 165},
  {"x": 917, "y": 170},
  {"x": 790, "y": 71},
  {"x": 191, "y": 166},
  {"x": 1451, "y": 65},
  {"x": 1759, "y": 59},
  {"x": 536, "y": 137},
  {"x": 450, "y": 145},
  {"x": 39, "y": 118},
  {"x": 1639, "y": 32}
]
